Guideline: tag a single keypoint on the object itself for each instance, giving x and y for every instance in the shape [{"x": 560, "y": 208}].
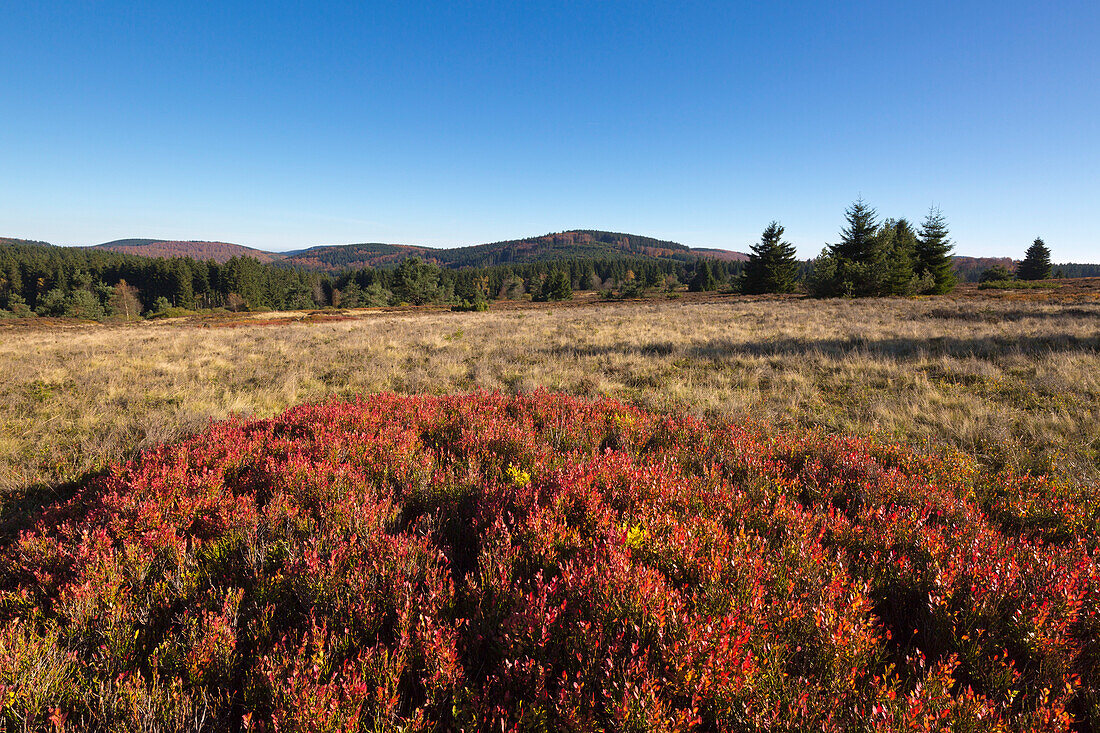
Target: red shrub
[{"x": 513, "y": 563}]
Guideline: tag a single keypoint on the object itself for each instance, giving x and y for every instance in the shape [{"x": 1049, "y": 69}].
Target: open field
[
  {"x": 536, "y": 561},
  {"x": 1012, "y": 378}
]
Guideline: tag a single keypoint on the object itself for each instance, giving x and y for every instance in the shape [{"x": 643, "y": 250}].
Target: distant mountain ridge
[
  {"x": 970, "y": 268},
  {"x": 18, "y": 241},
  {"x": 578, "y": 243},
  {"x": 549, "y": 247},
  {"x": 220, "y": 252}
]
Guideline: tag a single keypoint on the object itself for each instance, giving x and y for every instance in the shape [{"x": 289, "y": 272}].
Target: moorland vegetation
[
  {"x": 1010, "y": 377},
  {"x": 540, "y": 562},
  {"x": 712, "y": 552}
]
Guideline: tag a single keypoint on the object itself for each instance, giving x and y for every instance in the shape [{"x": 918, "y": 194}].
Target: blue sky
[{"x": 282, "y": 125}]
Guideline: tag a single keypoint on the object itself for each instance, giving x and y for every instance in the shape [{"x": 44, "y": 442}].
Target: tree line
[
  {"x": 888, "y": 257},
  {"x": 39, "y": 279},
  {"x": 871, "y": 258}
]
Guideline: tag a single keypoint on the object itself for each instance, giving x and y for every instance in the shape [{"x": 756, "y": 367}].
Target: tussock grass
[{"x": 1015, "y": 382}]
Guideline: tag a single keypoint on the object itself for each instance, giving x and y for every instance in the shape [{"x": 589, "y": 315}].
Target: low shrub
[
  {"x": 1016, "y": 284},
  {"x": 466, "y": 306},
  {"x": 490, "y": 562}
]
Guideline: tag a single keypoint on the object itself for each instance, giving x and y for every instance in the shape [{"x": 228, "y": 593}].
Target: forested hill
[
  {"x": 970, "y": 269},
  {"x": 582, "y": 244},
  {"x": 15, "y": 241},
  {"x": 220, "y": 252},
  {"x": 336, "y": 257},
  {"x": 576, "y": 244}
]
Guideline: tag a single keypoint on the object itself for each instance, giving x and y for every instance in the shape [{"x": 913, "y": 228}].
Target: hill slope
[
  {"x": 15, "y": 241},
  {"x": 549, "y": 247},
  {"x": 969, "y": 268},
  {"x": 217, "y": 251},
  {"x": 557, "y": 246}
]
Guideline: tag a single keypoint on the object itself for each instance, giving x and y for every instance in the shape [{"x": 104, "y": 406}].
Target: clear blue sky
[{"x": 282, "y": 125}]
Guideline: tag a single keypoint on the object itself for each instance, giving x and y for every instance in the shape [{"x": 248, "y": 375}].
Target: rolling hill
[
  {"x": 217, "y": 251},
  {"x": 578, "y": 243},
  {"x": 970, "y": 268},
  {"x": 333, "y": 258},
  {"x": 13, "y": 241},
  {"x": 549, "y": 247}
]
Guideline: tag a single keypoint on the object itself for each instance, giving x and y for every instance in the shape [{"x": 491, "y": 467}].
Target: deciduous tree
[{"x": 124, "y": 301}]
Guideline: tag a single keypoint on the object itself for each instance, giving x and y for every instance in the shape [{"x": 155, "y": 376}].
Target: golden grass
[{"x": 1014, "y": 381}]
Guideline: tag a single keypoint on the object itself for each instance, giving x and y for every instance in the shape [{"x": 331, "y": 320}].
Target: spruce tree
[
  {"x": 704, "y": 278},
  {"x": 856, "y": 265},
  {"x": 858, "y": 239},
  {"x": 416, "y": 282},
  {"x": 933, "y": 253},
  {"x": 555, "y": 286},
  {"x": 772, "y": 266},
  {"x": 898, "y": 243},
  {"x": 1036, "y": 264}
]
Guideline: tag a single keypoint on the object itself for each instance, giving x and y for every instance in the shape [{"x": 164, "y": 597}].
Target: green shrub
[{"x": 464, "y": 305}]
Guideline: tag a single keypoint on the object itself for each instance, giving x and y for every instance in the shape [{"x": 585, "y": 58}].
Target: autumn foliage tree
[{"x": 124, "y": 301}]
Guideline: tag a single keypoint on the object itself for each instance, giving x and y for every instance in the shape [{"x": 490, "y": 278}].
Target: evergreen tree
[
  {"x": 416, "y": 282},
  {"x": 858, "y": 241},
  {"x": 1036, "y": 264},
  {"x": 375, "y": 295},
  {"x": 52, "y": 303},
  {"x": 898, "y": 240},
  {"x": 772, "y": 266},
  {"x": 351, "y": 296},
  {"x": 83, "y": 304},
  {"x": 240, "y": 275},
  {"x": 555, "y": 286},
  {"x": 180, "y": 284},
  {"x": 822, "y": 280},
  {"x": 933, "y": 253},
  {"x": 857, "y": 265},
  {"x": 995, "y": 273},
  {"x": 704, "y": 279}
]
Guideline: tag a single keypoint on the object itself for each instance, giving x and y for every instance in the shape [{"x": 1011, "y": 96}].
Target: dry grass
[{"x": 1015, "y": 381}]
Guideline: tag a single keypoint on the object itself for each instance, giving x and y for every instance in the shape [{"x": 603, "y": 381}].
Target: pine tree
[
  {"x": 856, "y": 265},
  {"x": 858, "y": 240},
  {"x": 772, "y": 266},
  {"x": 897, "y": 240},
  {"x": 704, "y": 279},
  {"x": 555, "y": 286},
  {"x": 1036, "y": 264},
  {"x": 933, "y": 253},
  {"x": 415, "y": 281},
  {"x": 180, "y": 284}
]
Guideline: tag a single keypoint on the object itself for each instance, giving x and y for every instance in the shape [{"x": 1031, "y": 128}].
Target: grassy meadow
[
  {"x": 1011, "y": 378},
  {"x": 519, "y": 559}
]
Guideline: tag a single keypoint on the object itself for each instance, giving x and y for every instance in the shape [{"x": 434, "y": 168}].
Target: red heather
[{"x": 490, "y": 562}]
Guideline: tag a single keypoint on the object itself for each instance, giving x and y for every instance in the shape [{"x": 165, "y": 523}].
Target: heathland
[
  {"x": 521, "y": 559},
  {"x": 1012, "y": 378},
  {"x": 541, "y": 562}
]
